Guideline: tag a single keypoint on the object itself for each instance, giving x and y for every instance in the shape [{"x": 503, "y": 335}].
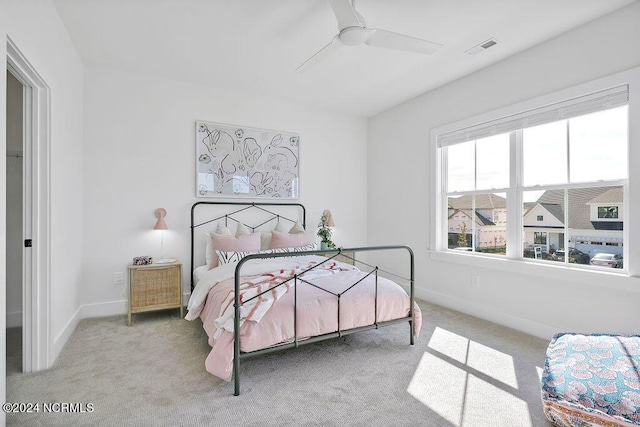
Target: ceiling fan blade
[
  {"x": 391, "y": 40},
  {"x": 321, "y": 54},
  {"x": 346, "y": 14}
]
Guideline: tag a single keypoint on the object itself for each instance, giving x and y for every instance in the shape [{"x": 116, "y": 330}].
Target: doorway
[
  {"x": 34, "y": 233},
  {"x": 14, "y": 222}
]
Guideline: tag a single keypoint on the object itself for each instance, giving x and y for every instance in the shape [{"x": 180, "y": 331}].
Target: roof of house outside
[
  {"x": 579, "y": 199},
  {"x": 528, "y": 206},
  {"x": 479, "y": 219},
  {"x": 484, "y": 220},
  {"x": 555, "y": 210},
  {"x": 483, "y": 201},
  {"x": 614, "y": 195}
]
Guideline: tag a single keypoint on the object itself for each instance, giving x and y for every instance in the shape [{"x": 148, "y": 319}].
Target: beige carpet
[{"x": 462, "y": 372}]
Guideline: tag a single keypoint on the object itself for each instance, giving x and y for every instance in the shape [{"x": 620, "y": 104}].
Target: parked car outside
[
  {"x": 607, "y": 260},
  {"x": 575, "y": 256}
]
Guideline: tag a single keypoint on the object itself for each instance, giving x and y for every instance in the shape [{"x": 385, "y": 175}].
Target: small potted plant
[{"x": 324, "y": 232}]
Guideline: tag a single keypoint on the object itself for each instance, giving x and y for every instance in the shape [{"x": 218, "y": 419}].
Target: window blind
[{"x": 597, "y": 101}]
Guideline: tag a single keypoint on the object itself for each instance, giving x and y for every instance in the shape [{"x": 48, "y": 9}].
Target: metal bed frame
[
  {"x": 330, "y": 254},
  {"x": 231, "y": 216}
]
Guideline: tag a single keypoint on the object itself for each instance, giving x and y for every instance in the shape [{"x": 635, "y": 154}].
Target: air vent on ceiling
[{"x": 482, "y": 46}]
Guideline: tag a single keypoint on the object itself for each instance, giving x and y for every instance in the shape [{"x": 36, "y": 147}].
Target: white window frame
[{"x": 513, "y": 261}]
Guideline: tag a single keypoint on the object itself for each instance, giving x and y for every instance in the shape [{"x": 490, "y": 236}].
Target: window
[
  {"x": 539, "y": 181},
  {"x": 477, "y": 218},
  {"x": 607, "y": 212},
  {"x": 540, "y": 238}
]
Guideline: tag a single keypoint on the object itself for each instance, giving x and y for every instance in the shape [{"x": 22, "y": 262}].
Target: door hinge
[{"x": 28, "y": 243}]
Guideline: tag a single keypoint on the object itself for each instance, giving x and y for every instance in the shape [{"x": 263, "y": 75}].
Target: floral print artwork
[{"x": 240, "y": 161}]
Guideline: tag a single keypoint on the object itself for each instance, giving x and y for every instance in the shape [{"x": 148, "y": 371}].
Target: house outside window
[{"x": 576, "y": 202}]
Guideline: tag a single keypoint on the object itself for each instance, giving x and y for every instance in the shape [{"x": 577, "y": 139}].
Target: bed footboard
[{"x": 297, "y": 279}]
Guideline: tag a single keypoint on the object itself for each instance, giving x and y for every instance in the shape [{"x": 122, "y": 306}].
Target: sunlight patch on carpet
[
  {"x": 453, "y": 345},
  {"x": 492, "y": 362},
  {"x": 440, "y": 386},
  {"x": 489, "y": 361},
  {"x": 463, "y": 399}
]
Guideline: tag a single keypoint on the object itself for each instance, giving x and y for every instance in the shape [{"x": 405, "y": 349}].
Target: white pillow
[
  {"x": 281, "y": 227},
  {"x": 265, "y": 240},
  {"x": 220, "y": 229},
  {"x": 242, "y": 230},
  {"x": 297, "y": 228}
]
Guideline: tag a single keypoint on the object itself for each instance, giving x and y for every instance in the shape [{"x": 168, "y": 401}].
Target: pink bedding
[{"x": 317, "y": 312}]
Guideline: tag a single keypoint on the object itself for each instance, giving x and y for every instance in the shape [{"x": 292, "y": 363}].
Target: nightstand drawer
[
  {"x": 151, "y": 287},
  {"x": 154, "y": 287}
]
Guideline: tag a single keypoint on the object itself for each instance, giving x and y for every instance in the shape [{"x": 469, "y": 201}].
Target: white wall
[
  {"x": 36, "y": 29},
  {"x": 399, "y": 184},
  {"x": 139, "y": 155},
  {"x": 14, "y": 202},
  {"x": 3, "y": 219}
]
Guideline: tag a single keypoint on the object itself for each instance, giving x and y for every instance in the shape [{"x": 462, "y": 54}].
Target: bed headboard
[{"x": 256, "y": 216}]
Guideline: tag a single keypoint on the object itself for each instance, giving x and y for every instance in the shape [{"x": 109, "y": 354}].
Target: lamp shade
[
  {"x": 327, "y": 214},
  {"x": 160, "y": 223}
]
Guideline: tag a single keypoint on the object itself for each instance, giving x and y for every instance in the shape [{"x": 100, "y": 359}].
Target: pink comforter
[{"x": 317, "y": 314}]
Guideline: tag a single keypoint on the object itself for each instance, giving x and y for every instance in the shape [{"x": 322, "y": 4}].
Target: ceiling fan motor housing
[{"x": 353, "y": 36}]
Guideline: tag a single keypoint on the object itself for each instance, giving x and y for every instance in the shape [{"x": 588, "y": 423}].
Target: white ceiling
[{"x": 254, "y": 46}]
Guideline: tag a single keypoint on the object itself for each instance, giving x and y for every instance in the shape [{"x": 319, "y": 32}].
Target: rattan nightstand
[{"x": 155, "y": 287}]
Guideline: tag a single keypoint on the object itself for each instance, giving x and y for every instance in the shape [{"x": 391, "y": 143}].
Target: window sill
[{"x": 619, "y": 279}]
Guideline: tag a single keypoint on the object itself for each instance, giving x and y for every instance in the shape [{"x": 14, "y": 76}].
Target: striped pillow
[
  {"x": 232, "y": 256},
  {"x": 226, "y": 257}
]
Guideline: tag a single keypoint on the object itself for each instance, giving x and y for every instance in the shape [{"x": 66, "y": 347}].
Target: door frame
[{"x": 36, "y": 277}]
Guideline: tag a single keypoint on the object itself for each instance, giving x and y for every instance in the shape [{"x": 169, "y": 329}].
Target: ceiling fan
[{"x": 353, "y": 31}]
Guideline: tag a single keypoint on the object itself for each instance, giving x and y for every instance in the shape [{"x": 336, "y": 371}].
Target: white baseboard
[
  {"x": 14, "y": 320},
  {"x": 532, "y": 327},
  {"x": 63, "y": 337},
  {"x": 114, "y": 308},
  {"x": 103, "y": 309}
]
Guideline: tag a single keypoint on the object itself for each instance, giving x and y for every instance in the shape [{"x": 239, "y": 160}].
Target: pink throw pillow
[
  {"x": 288, "y": 240},
  {"x": 246, "y": 243}
]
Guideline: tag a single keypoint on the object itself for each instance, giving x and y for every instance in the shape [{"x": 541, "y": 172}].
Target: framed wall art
[{"x": 237, "y": 161}]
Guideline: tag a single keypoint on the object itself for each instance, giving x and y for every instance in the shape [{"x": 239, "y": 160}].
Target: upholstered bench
[{"x": 592, "y": 380}]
